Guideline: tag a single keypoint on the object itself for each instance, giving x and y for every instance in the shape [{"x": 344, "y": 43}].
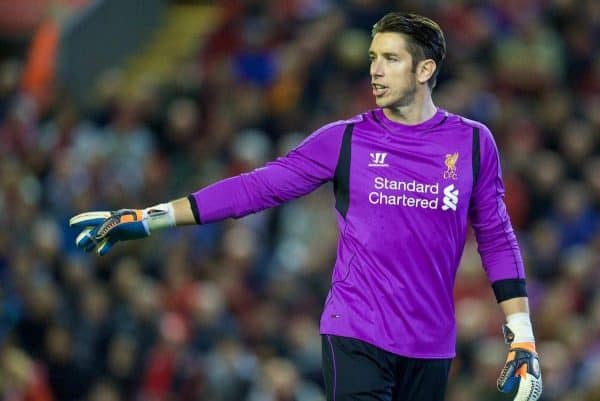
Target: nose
[{"x": 376, "y": 68}]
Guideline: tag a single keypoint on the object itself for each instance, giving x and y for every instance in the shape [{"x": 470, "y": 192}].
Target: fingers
[
  {"x": 89, "y": 219},
  {"x": 522, "y": 370},
  {"x": 100, "y": 230},
  {"x": 530, "y": 388},
  {"x": 90, "y": 224},
  {"x": 507, "y": 380},
  {"x": 85, "y": 240},
  {"x": 104, "y": 246}
]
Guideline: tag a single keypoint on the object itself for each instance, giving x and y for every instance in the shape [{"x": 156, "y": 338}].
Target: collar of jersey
[{"x": 396, "y": 127}]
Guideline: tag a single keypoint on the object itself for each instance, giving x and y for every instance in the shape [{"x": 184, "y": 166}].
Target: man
[{"x": 406, "y": 176}]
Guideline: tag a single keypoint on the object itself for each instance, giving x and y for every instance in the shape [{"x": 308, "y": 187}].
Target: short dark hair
[{"x": 425, "y": 37}]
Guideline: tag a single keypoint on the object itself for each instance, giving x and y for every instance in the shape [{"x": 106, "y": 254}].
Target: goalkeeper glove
[
  {"x": 522, "y": 368},
  {"x": 100, "y": 230}
]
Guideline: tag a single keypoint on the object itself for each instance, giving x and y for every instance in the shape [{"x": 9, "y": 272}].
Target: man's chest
[{"x": 416, "y": 173}]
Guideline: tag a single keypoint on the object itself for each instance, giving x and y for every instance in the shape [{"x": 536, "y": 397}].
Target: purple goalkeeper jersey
[{"x": 404, "y": 195}]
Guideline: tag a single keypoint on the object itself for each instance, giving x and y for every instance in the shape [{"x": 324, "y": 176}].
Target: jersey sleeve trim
[
  {"x": 195, "y": 210},
  {"x": 509, "y": 288}
]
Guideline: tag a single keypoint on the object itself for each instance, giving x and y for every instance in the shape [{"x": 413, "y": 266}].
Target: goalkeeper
[{"x": 408, "y": 176}]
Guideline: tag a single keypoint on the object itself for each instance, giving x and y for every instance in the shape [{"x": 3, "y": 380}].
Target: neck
[{"x": 419, "y": 110}]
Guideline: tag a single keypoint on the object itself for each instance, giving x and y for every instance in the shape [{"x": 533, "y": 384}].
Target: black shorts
[{"x": 357, "y": 371}]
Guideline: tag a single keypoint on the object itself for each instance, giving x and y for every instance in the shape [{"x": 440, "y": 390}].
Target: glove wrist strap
[
  {"x": 160, "y": 216},
  {"x": 519, "y": 325}
]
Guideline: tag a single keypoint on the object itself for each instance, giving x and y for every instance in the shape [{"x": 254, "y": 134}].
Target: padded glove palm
[{"x": 522, "y": 370}]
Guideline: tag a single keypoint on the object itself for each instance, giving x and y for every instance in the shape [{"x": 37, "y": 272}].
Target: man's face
[{"x": 393, "y": 78}]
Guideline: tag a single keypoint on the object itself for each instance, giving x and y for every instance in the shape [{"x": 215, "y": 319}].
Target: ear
[{"x": 425, "y": 70}]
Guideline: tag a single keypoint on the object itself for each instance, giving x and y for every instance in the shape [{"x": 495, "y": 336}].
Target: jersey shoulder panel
[
  {"x": 473, "y": 124},
  {"x": 331, "y": 130},
  {"x": 485, "y": 134}
]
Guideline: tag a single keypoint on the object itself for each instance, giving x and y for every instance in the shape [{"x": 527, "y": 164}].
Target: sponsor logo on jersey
[
  {"x": 413, "y": 194},
  {"x": 450, "y": 162},
  {"x": 378, "y": 159},
  {"x": 450, "y": 198}
]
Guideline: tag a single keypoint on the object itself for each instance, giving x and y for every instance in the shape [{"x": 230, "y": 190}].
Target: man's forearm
[
  {"x": 183, "y": 213},
  {"x": 518, "y": 320},
  {"x": 515, "y": 305}
]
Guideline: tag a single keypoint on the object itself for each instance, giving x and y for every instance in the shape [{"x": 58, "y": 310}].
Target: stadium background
[{"x": 158, "y": 100}]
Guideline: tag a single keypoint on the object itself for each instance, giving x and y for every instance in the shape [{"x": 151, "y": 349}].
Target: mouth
[{"x": 378, "y": 89}]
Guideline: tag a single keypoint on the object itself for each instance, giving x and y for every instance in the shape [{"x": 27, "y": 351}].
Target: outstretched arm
[{"x": 301, "y": 171}]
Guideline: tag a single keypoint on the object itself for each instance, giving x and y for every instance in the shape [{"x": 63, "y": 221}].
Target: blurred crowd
[{"x": 230, "y": 311}]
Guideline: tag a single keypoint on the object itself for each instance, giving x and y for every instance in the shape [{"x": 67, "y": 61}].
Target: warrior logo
[{"x": 378, "y": 159}]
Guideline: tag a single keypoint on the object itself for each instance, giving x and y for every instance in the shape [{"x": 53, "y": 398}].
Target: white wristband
[
  {"x": 520, "y": 325},
  {"x": 160, "y": 216}
]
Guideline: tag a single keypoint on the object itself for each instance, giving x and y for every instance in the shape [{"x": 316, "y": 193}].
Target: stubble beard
[{"x": 406, "y": 98}]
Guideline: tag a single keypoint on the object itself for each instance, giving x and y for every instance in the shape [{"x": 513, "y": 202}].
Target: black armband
[
  {"x": 509, "y": 288},
  {"x": 194, "y": 207}
]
